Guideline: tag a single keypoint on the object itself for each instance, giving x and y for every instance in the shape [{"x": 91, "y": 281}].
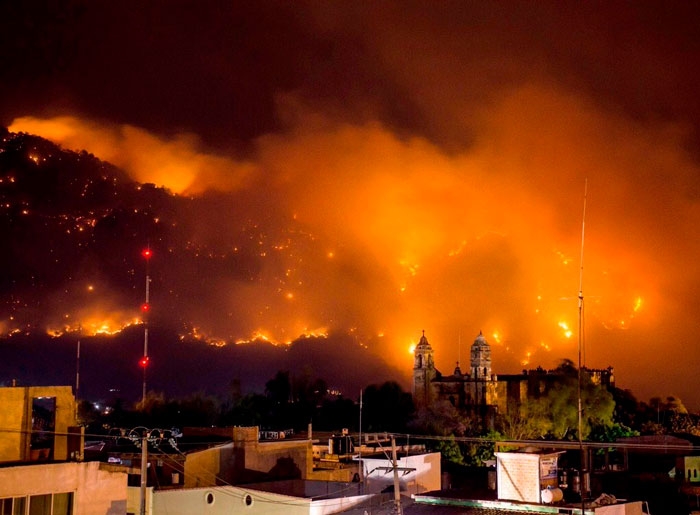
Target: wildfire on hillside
[{"x": 419, "y": 238}]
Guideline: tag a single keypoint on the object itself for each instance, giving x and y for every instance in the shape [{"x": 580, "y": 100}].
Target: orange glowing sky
[{"x": 468, "y": 216}]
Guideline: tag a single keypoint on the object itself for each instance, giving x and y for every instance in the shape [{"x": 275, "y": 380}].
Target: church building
[
  {"x": 475, "y": 392},
  {"x": 478, "y": 392}
]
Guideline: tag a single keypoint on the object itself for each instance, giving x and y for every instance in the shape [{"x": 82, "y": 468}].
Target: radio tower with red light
[{"x": 145, "y": 310}]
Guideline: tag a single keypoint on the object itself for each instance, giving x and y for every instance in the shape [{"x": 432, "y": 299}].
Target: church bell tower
[
  {"x": 480, "y": 370},
  {"x": 423, "y": 373},
  {"x": 481, "y": 359}
]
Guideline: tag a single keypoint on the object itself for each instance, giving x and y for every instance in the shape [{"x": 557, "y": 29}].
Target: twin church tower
[
  {"x": 473, "y": 389},
  {"x": 480, "y": 393}
]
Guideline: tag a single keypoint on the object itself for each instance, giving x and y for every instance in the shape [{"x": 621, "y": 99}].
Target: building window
[
  {"x": 13, "y": 506},
  {"x": 46, "y": 504},
  {"x": 40, "y": 504},
  {"x": 41, "y": 442},
  {"x": 62, "y": 504}
]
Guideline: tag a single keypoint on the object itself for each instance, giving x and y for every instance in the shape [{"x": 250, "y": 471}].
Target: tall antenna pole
[
  {"x": 459, "y": 348},
  {"x": 580, "y": 349},
  {"x": 362, "y": 472},
  {"x": 145, "y": 309},
  {"x": 77, "y": 363}
]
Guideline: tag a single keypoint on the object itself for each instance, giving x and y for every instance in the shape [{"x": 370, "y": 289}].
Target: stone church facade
[{"x": 478, "y": 392}]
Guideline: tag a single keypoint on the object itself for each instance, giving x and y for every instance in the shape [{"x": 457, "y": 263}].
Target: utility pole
[
  {"x": 397, "y": 491},
  {"x": 77, "y": 365},
  {"x": 144, "y": 470},
  {"x": 361, "y": 466}
]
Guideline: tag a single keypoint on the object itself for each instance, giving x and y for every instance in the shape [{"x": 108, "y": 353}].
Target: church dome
[
  {"x": 480, "y": 341},
  {"x": 423, "y": 343}
]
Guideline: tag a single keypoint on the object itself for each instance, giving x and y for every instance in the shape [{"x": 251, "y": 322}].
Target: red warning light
[
  {"x": 145, "y": 307},
  {"x": 144, "y": 361},
  {"x": 147, "y": 253}
]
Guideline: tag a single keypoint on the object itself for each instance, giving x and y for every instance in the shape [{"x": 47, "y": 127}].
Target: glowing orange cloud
[
  {"x": 483, "y": 238},
  {"x": 174, "y": 163}
]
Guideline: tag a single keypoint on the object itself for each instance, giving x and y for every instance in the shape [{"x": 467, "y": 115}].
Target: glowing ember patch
[
  {"x": 260, "y": 336},
  {"x": 638, "y": 305},
  {"x": 411, "y": 267},
  {"x": 458, "y": 250},
  {"x": 93, "y": 326},
  {"x": 321, "y": 332},
  {"x": 568, "y": 333},
  {"x": 565, "y": 260}
]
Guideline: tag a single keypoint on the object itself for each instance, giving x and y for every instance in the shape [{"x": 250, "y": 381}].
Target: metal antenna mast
[
  {"x": 77, "y": 363},
  {"x": 459, "y": 348},
  {"x": 580, "y": 348},
  {"x": 145, "y": 309}
]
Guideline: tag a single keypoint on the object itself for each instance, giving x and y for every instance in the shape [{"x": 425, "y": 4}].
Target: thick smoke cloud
[
  {"x": 434, "y": 159},
  {"x": 454, "y": 243},
  {"x": 175, "y": 163}
]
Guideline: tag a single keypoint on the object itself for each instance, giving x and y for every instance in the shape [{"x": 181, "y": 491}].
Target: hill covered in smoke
[{"x": 74, "y": 228}]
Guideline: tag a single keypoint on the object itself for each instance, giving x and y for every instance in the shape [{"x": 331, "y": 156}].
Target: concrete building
[
  {"x": 62, "y": 489},
  {"x": 40, "y": 449},
  {"x": 285, "y": 475},
  {"x": 245, "y": 459},
  {"x": 313, "y": 498},
  {"x": 37, "y": 424}
]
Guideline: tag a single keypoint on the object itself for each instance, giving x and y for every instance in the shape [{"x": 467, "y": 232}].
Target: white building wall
[
  {"x": 425, "y": 478},
  {"x": 330, "y": 506},
  {"x": 226, "y": 500}
]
